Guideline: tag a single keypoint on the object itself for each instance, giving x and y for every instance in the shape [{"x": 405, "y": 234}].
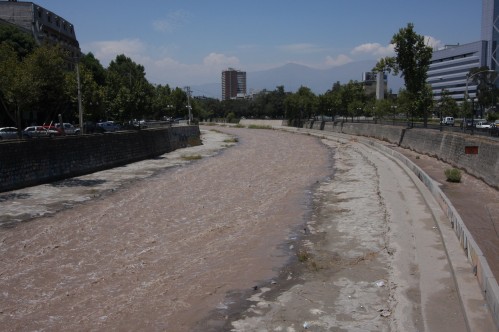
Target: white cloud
[
  {"x": 106, "y": 51},
  {"x": 162, "y": 69},
  {"x": 220, "y": 60},
  {"x": 173, "y": 21},
  {"x": 433, "y": 42},
  {"x": 300, "y": 48},
  {"x": 341, "y": 59},
  {"x": 373, "y": 49}
]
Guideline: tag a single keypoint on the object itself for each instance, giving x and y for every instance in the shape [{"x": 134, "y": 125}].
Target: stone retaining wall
[{"x": 30, "y": 162}]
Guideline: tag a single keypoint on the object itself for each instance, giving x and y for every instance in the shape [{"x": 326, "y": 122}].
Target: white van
[{"x": 448, "y": 121}]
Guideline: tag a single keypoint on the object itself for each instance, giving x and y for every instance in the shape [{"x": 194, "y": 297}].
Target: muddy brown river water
[{"x": 160, "y": 253}]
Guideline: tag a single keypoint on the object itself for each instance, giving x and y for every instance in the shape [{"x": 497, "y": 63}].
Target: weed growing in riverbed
[
  {"x": 191, "y": 157},
  {"x": 231, "y": 140},
  {"x": 453, "y": 175}
]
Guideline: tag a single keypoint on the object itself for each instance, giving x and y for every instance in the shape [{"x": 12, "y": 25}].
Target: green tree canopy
[
  {"x": 412, "y": 60},
  {"x": 21, "y": 42}
]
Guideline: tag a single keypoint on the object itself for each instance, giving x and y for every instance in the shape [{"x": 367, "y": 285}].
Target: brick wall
[{"x": 31, "y": 162}]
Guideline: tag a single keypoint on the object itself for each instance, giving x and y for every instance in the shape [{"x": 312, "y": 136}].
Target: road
[{"x": 300, "y": 233}]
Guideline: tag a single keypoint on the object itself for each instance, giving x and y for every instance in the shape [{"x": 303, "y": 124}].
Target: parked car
[
  {"x": 483, "y": 125},
  {"x": 448, "y": 121},
  {"x": 496, "y": 124},
  {"x": 39, "y": 131},
  {"x": 8, "y": 133},
  {"x": 69, "y": 129},
  {"x": 109, "y": 126}
]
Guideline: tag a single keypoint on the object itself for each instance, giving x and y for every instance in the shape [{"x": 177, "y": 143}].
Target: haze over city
[{"x": 190, "y": 42}]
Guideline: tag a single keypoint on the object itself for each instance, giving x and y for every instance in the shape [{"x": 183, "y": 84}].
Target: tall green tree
[
  {"x": 128, "y": 92},
  {"x": 41, "y": 77},
  {"x": 412, "y": 60}
]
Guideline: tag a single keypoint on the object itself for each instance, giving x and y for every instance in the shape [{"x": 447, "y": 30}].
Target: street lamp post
[{"x": 80, "y": 108}]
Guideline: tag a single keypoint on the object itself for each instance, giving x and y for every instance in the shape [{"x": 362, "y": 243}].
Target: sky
[{"x": 190, "y": 42}]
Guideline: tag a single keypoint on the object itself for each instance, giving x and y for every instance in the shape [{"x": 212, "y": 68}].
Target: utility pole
[
  {"x": 80, "y": 107},
  {"x": 188, "y": 91}
]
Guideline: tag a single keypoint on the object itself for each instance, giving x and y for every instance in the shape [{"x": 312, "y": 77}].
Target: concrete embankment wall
[
  {"x": 482, "y": 159},
  {"x": 478, "y": 156},
  {"x": 30, "y": 162}
]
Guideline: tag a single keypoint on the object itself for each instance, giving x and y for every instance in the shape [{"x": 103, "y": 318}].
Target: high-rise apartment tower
[{"x": 233, "y": 84}]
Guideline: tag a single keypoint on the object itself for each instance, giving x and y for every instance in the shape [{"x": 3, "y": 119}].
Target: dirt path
[{"x": 161, "y": 253}]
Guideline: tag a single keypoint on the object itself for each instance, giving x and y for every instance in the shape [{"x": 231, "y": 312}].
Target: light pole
[{"x": 80, "y": 108}]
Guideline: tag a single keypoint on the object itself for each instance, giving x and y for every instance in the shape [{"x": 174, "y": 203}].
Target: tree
[
  {"x": 94, "y": 66},
  {"x": 447, "y": 105},
  {"x": 41, "y": 81},
  {"x": 128, "y": 92},
  {"x": 301, "y": 104},
  {"x": 92, "y": 94},
  {"x": 484, "y": 78},
  {"x": 383, "y": 107},
  {"x": 10, "y": 95},
  {"x": 413, "y": 61},
  {"x": 162, "y": 105},
  {"x": 21, "y": 42}
]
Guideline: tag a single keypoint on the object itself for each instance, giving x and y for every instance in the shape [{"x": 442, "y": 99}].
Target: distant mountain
[{"x": 292, "y": 76}]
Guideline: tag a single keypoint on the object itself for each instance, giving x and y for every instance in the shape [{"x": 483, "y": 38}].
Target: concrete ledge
[{"x": 271, "y": 123}]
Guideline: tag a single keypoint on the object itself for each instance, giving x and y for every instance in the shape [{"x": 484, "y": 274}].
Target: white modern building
[{"x": 449, "y": 67}]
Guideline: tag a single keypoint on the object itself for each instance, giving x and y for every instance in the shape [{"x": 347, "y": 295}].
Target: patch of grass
[
  {"x": 239, "y": 126},
  {"x": 253, "y": 126},
  {"x": 453, "y": 175},
  {"x": 231, "y": 140},
  {"x": 303, "y": 256},
  {"x": 191, "y": 157}
]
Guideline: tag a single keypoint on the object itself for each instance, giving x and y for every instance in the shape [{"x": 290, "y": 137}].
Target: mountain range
[{"x": 292, "y": 76}]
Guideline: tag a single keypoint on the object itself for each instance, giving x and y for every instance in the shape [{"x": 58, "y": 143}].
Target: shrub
[{"x": 453, "y": 175}]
